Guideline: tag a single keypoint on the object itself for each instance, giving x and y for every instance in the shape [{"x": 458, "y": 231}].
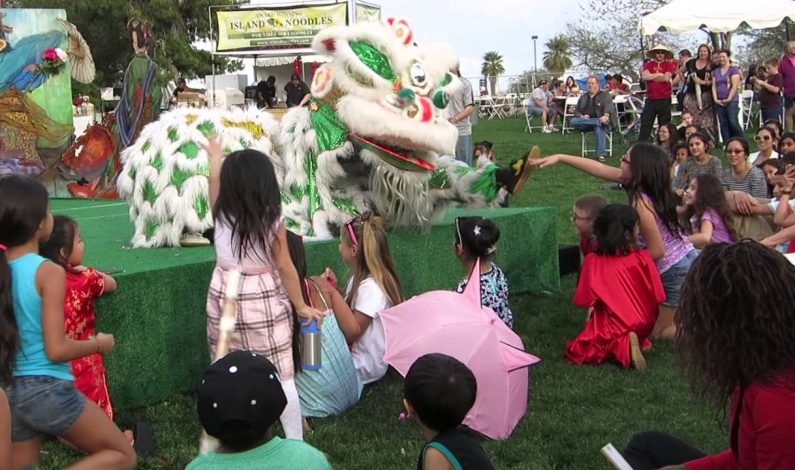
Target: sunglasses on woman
[{"x": 761, "y": 138}]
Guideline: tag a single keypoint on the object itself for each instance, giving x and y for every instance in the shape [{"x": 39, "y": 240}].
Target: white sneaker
[{"x": 546, "y": 130}]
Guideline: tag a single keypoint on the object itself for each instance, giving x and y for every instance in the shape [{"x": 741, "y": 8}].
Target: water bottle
[{"x": 310, "y": 346}]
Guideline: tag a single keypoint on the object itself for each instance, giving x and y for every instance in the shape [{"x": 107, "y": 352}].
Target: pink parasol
[{"x": 459, "y": 326}]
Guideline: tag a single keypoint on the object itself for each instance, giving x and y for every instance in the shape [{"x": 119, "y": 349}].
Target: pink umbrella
[{"x": 459, "y": 326}]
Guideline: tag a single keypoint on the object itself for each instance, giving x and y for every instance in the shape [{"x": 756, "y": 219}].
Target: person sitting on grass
[
  {"x": 737, "y": 344},
  {"x": 621, "y": 283},
  {"x": 334, "y": 387},
  {"x": 374, "y": 286},
  {"x": 476, "y": 240},
  {"x": 438, "y": 392},
  {"x": 239, "y": 400},
  {"x": 644, "y": 173},
  {"x": 699, "y": 162},
  {"x": 585, "y": 210},
  {"x": 707, "y": 209}
]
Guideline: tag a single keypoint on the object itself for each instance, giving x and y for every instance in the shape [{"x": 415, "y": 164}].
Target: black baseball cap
[{"x": 240, "y": 394}]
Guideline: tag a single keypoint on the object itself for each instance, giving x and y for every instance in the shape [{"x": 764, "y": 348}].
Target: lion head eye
[{"x": 418, "y": 75}]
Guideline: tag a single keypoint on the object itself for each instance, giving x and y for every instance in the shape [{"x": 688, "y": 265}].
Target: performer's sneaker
[
  {"x": 514, "y": 176},
  {"x": 193, "y": 239},
  {"x": 635, "y": 353}
]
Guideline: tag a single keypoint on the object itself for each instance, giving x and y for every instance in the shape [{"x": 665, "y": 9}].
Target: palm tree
[
  {"x": 492, "y": 68},
  {"x": 556, "y": 58}
]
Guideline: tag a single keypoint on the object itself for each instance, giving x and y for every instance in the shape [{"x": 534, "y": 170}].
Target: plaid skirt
[{"x": 264, "y": 318}]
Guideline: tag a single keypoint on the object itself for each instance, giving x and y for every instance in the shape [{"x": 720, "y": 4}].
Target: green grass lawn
[{"x": 573, "y": 411}]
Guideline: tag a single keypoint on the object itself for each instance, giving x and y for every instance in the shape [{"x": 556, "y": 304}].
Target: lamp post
[{"x": 535, "y": 64}]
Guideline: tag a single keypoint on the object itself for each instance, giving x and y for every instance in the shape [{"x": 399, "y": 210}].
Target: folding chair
[
  {"x": 528, "y": 117},
  {"x": 568, "y": 112},
  {"x": 746, "y": 107},
  {"x": 584, "y": 148}
]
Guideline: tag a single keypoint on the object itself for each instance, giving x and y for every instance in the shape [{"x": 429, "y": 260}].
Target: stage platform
[{"x": 158, "y": 313}]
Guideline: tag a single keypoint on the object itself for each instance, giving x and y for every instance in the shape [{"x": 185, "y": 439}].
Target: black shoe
[{"x": 514, "y": 176}]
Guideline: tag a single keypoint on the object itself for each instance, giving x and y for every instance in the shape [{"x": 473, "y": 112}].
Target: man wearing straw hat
[{"x": 657, "y": 73}]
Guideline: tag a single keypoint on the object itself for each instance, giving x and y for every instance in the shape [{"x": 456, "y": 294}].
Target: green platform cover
[{"x": 158, "y": 313}]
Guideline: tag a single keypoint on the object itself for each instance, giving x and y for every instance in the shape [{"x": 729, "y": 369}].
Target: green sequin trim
[
  {"x": 345, "y": 205},
  {"x": 310, "y": 165},
  {"x": 374, "y": 59},
  {"x": 331, "y": 132},
  {"x": 146, "y": 146},
  {"x": 172, "y": 134},
  {"x": 446, "y": 80},
  {"x": 190, "y": 149}
]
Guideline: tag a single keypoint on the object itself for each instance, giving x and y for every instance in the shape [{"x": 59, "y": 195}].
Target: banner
[
  {"x": 276, "y": 28},
  {"x": 366, "y": 13}
]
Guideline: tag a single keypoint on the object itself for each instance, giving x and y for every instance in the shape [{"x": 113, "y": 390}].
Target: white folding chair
[
  {"x": 585, "y": 150},
  {"x": 528, "y": 117},
  {"x": 568, "y": 112},
  {"x": 746, "y": 107}
]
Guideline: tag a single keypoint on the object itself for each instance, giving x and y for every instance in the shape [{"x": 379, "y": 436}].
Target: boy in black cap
[
  {"x": 239, "y": 399},
  {"x": 439, "y": 391}
]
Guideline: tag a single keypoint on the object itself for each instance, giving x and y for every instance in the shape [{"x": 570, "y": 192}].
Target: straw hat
[{"x": 660, "y": 47}]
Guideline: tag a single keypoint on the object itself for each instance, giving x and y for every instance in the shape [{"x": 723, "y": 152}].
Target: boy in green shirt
[{"x": 239, "y": 399}]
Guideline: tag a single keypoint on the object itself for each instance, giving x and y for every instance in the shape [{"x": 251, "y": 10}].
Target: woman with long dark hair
[
  {"x": 736, "y": 342},
  {"x": 645, "y": 174},
  {"x": 698, "y": 93}
]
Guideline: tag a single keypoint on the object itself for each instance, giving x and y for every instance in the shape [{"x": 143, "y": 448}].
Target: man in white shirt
[
  {"x": 539, "y": 100},
  {"x": 461, "y": 105}
]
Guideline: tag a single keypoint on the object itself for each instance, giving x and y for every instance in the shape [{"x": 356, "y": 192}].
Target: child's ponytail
[
  {"x": 9, "y": 334},
  {"x": 24, "y": 205}
]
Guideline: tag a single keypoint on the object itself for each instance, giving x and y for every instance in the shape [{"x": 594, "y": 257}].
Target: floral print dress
[{"x": 493, "y": 293}]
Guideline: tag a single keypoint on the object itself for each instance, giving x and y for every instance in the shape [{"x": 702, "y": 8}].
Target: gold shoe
[
  {"x": 193, "y": 239},
  {"x": 523, "y": 170}
]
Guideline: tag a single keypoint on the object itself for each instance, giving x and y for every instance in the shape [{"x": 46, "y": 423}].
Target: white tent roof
[{"x": 681, "y": 16}]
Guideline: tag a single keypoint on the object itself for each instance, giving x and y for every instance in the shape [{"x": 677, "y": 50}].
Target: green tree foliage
[
  {"x": 492, "y": 68},
  {"x": 557, "y": 57},
  {"x": 605, "y": 36},
  {"x": 175, "y": 26}
]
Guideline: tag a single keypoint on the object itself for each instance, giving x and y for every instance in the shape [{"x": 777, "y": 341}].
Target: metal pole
[
  {"x": 212, "y": 55},
  {"x": 535, "y": 62}
]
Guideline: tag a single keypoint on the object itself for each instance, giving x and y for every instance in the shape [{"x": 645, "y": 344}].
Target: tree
[
  {"x": 612, "y": 43},
  {"x": 175, "y": 27},
  {"x": 556, "y": 58},
  {"x": 492, "y": 68},
  {"x": 763, "y": 44}
]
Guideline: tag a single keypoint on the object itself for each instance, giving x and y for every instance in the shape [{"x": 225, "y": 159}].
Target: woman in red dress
[
  {"x": 622, "y": 284},
  {"x": 83, "y": 287}
]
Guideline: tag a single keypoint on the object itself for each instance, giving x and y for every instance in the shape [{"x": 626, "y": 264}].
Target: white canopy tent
[{"x": 682, "y": 16}]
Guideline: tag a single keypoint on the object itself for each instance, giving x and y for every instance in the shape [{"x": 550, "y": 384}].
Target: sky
[{"x": 474, "y": 27}]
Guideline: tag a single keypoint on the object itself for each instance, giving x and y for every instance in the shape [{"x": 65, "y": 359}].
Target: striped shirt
[
  {"x": 691, "y": 168},
  {"x": 753, "y": 183}
]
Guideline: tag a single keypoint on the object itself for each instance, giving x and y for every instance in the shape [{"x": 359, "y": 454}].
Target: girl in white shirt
[{"x": 373, "y": 287}]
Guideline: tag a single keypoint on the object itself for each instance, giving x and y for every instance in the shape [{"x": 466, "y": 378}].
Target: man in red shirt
[{"x": 657, "y": 73}]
